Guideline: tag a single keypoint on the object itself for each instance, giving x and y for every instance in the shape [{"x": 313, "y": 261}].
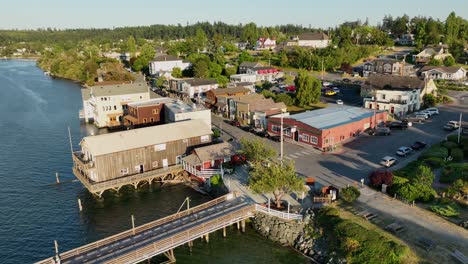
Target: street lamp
[{"x": 293, "y": 130}]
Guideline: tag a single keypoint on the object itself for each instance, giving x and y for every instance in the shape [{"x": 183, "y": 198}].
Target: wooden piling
[
  {"x": 238, "y": 225},
  {"x": 57, "y": 178},
  {"x": 243, "y": 226},
  {"x": 190, "y": 244},
  {"x": 207, "y": 238},
  {"x": 79, "y": 205},
  {"x": 224, "y": 232}
]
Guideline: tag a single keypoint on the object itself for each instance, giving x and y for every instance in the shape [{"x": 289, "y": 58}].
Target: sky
[{"x": 32, "y": 14}]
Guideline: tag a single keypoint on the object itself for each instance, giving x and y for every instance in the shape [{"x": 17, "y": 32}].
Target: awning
[{"x": 131, "y": 118}]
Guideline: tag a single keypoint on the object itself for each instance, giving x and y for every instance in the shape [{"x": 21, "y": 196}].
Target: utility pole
[
  {"x": 459, "y": 128},
  {"x": 281, "y": 139},
  {"x": 322, "y": 69}
]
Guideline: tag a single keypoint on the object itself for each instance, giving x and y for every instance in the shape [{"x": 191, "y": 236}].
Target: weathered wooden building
[{"x": 145, "y": 151}]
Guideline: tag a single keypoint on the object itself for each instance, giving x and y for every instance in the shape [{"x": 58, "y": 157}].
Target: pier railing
[
  {"x": 283, "y": 215},
  {"x": 129, "y": 233}
]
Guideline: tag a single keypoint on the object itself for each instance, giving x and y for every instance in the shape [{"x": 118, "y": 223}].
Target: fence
[{"x": 283, "y": 215}]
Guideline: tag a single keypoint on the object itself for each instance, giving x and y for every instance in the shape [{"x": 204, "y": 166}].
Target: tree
[
  {"x": 350, "y": 194},
  {"x": 131, "y": 46},
  {"x": 256, "y": 150},
  {"x": 277, "y": 179},
  {"x": 176, "y": 72},
  {"x": 435, "y": 62},
  {"x": 146, "y": 55},
  {"x": 423, "y": 175},
  {"x": 308, "y": 89},
  {"x": 200, "y": 40},
  {"x": 245, "y": 56},
  {"x": 285, "y": 98},
  {"x": 452, "y": 28},
  {"x": 377, "y": 178},
  {"x": 201, "y": 67},
  {"x": 228, "y": 71},
  {"x": 429, "y": 100},
  {"x": 250, "y": 33},
  {"x": 449, "y": 61}
]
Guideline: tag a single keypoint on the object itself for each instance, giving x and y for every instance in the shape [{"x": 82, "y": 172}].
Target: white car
[
  {"x": 336, "y": 89},
  {"x": 426, "y": 115},
  {"x": 388, "y": 161},
  {"x": 433, "y": 111},
  {"x": 340, "y": 102},
  {"x": 403, "y": 151}
]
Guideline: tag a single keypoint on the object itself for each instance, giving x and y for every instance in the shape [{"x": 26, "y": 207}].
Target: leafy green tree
[
  {"x": 308, "y": 89},
  {"x": 250, "y": 33},
  {"x": 268, "y": 94},
  {"x": 245, "y": 56},
  {"x": 228, "y": 71},
  {"x": 160, "y": 82},
  {"x": 449, "y": 61},
  {"x": 200, "y": 40},
  {"x": 435, "y": 62},
  {"x": 423, "y": 175},
  {"x": 257, "y": 150},
  {"x": 350, "y": 194},
  {"x": 142, "y": 62},
  {"x": 284, "y": 61},
  {"x": 429, "y": 100},
  {"x": 452, "y": 28},
  {"x": 131, "y": 45},
  {"x": 201, "y": 67},
  {"x": 176, "y": 72},
  {"x": 420, "y": 36},
  {"x": 457, "y": 48},
  {"x": 277, "y": 179}
]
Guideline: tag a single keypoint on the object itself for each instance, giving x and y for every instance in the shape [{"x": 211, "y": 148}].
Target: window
[
  {"x": 205, "y": 138},
  {"x": 275, "y": 128},
  {"x": 305, "y": 137},
  {"x": 151, "y": 120},
  {"x": 383, "y": 96},
  {"x": 314, "y": 140},
  {"x": 287, "y": 132},
  {"x": 145, "y": 120},
  {"x": 160, "y": 147},
  {"x": 115, "y": 107},
  {"x": 154, "y": 164},
  {"x": 124, "y": 171},
  {"x": 155, "y": 111}
]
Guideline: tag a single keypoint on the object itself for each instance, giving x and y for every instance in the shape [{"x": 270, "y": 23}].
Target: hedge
[
  {"x": 437, "y": 151},
  {"x": 457, "y": 155},
  {"x": 359, "y": 244},
  {"x": 434, "y": 162},
  {"x": 454, "y": 171},
  {"x": 445, "y": 210}
]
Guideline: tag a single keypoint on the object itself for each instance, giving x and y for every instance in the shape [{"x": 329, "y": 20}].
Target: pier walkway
[{"x": 163, "y": 235}]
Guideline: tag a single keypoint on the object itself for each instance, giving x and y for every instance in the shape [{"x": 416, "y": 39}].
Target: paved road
[{"x": 128, "y": 244}]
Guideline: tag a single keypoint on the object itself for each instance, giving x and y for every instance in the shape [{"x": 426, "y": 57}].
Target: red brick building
[
  {"x": 326, "y": 127},
  {"x": 146, "y": 113}
]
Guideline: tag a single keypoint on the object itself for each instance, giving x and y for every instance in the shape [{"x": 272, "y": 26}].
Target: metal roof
[
  {"x": 155, "y": 101},
  {"x": 119, "y": 89},
  {"x": 143, "y": 137},
  {"x": 332, "y": 116}
]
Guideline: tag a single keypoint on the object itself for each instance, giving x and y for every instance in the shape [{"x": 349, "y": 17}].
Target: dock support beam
[
  {"x": 207, "y": 238},
  {"x": 170, "y": 255},
  {"x": 224, "y": 232},
  {"x": 243, "y": 226},
  {"x": 238, "y": 225},
  {"x": 190, "y": 244}
]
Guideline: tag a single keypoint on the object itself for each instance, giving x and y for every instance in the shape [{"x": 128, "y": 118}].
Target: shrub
[
  {"x": 445, "y": 210},
  {"x": 286, "y": 99},
  {"x": 216, "y": 180},
  {"x": 453, "y": 172},
  {"x": 450, "y": 144},
  {"x": 350, "y": 194},
  {"x": 457, "y": 155},
  {"x": 408, "y": 170},
  {"x": 423, "y": 175},
  {"x": 414, "y": 191},
  {"x": 434, "y": 162},
  {"x": 377, "y": 178},
  {"x": 437, "y": 151}
]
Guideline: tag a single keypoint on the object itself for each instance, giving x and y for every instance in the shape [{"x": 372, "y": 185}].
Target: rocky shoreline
[{"x": 306, "y": 237}]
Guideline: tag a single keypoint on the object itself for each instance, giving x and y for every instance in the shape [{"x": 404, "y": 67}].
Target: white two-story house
[
  {"x": 163, "y": 64},
  {"x": 316, "y": 40},
  {"x": 107, "y": 104},
  {"x": 398, "y": 95},
  {"x": 193, "y": 88},
  {"x": 265, "y": 44}
]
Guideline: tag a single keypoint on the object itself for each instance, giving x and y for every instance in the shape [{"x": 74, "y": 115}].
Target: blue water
[{"x": 34, "y": 211}]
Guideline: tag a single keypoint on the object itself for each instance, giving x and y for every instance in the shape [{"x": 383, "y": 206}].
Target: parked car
[
  {"x": 417, "y": 118},
  {"x": 423, "y": 114},
  {"x": 382, "y": 131},
  {"x": 403, "y": 151},
  {"x": 336, "y": 89},
  {"x": 398, "y": 125},
  {"x": 238, "y": 159},
  {"x": 276, "y": 138},
  {"x": 433, "y": 110},
  {"x": 451, "y": 125},
  {"x": 235, "y": 123},
  {"x": 262, "y": 133},
  {"x": 388, "y": 161},
  {"x": 246, "y": 128},
  {"x": 429, "y": 113},
  {"x": 407, "y": 122},
  {"x": 291, "y": 88},
  {"x": 418, "y": 145},
  {"x": 330, "y": 92},
  {"x": 340, "y": 102},
  {"x": 346, "y": 80}
]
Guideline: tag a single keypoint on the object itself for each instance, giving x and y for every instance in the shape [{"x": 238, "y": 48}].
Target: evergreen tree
[{"x": 308, "y": 89}]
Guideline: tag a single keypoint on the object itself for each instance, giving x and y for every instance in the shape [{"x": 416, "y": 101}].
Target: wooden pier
[{"x": 163, "y": 235}]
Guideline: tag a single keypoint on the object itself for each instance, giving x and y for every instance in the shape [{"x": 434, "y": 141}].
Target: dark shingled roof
[
  {"x": 314, "y": 36},
  {"x": 166, "y": 57},
  {"x": 406, "y": 82},
  {"x": 198, "y": 82},
  {"x": 249, "y": 64}
]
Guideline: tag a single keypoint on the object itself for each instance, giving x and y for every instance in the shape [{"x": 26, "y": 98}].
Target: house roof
[
  {"x": 249, "y": 64},
  {"x": 85, "y": 94},
  {"x": 313, "y": 36},
  {"x": 165, "y": 57},
  {"x": 332, "y": 116},
  {"x": 119, "y": 89},
  {"x": 266, "y": 105},
  {"x": 248, "y": 98},
  {"x": 143, "y": 137},
  {"x": 155, "y": 101},
  {"x": 381, "y": 81},
  {"x": 441, "y": 69},
  {"x": 216, "y": 151},
  {"x": 198, "y": 82},
  {"x": 234, "y": 90}
]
